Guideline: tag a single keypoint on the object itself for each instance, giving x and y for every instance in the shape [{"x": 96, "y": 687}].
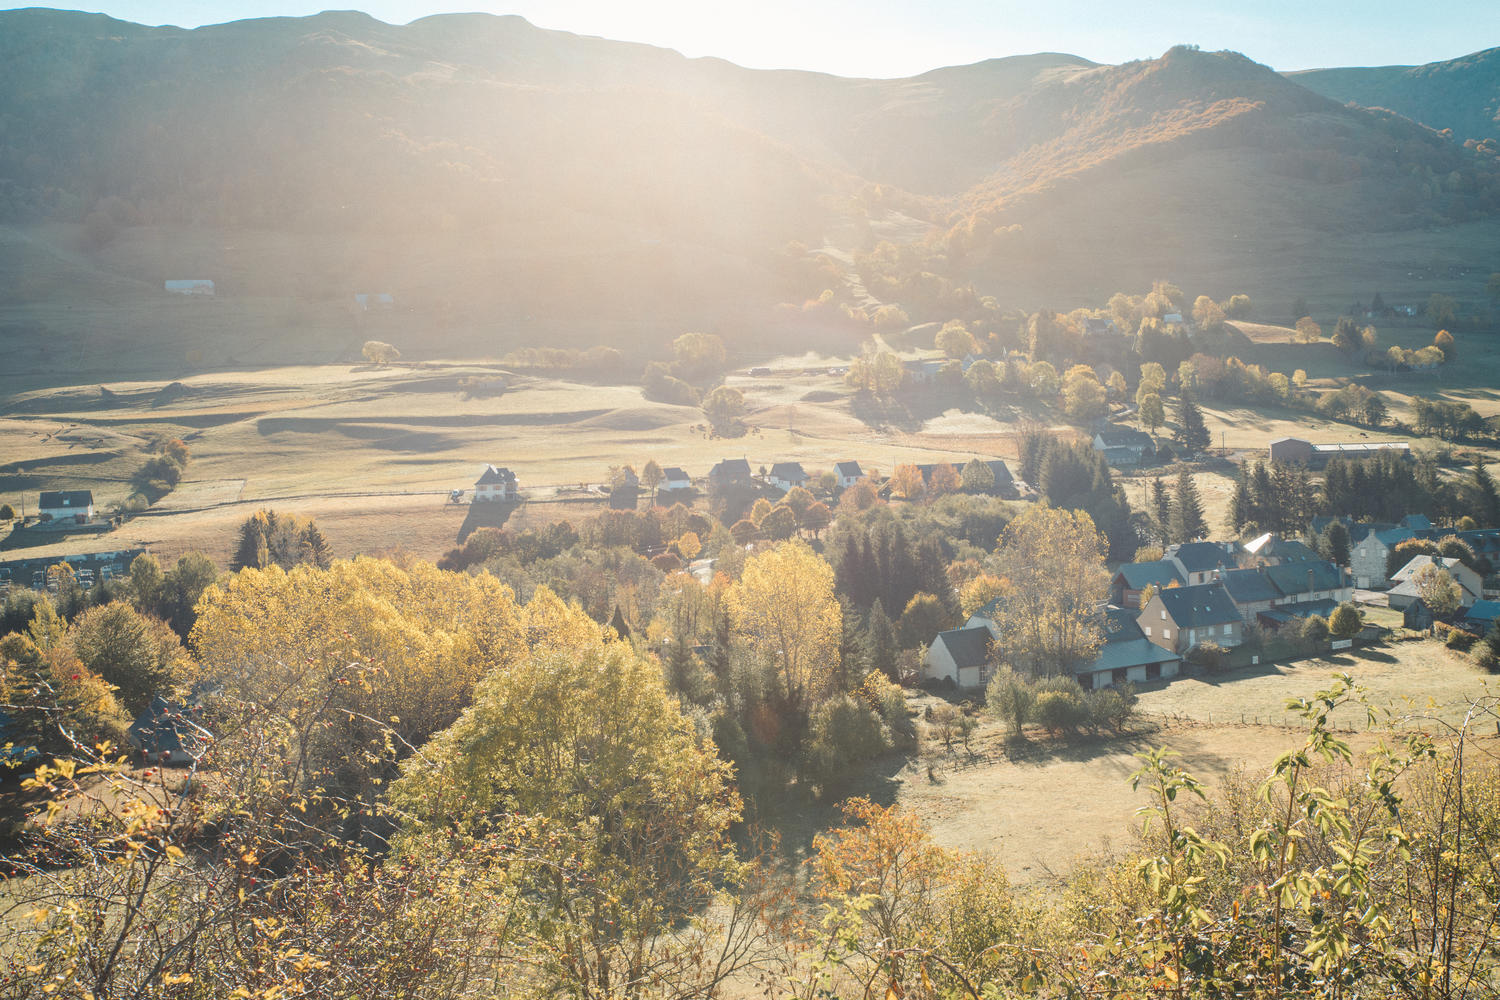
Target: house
[
  {"x": 495, "y": 484},
  {"x": 1184, "y": 617},
  {"x": 167, "y": 732},
  {"x": 849, "y": 473},
  {"x": 1404, "y": 591},
  {"x": 922, "y": 372},
  {"x": 1133, "y": 578},
  {"x": 1124, "y": 445},
  {"x": 730, "y": 472},
  {"x": 190, "y": 286},
  {"x": 1272, "y": 550},
  {"x": 76, "y": 506},
  {"x": 1251, "y": 591},
  {"x": 1173, "y": 319},
  {"x": 1199, "y": 561},
  {"x": 986, "y": 616},
  {"x": 379, "y": 300},
  {"x": 674, "y": 479},
  {"x": 1127, "y": 656},
  {"x": 787, "y": 475},
  {"x": 1301, "y": 583},
  {"x": 1481, "y": 617},
  {"x": 960, "y": 656},
  {"x": 1095, "y": 326},
  {"x": 1369, "y": 556}
]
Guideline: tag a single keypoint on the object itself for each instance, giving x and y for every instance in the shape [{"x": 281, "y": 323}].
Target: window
[
  {"x": 1166, "y": 633},
  {"x": 1163, "y": 614},
  {"x": 1148, "y": 631},
  {"x": 1226, "y": 630}
]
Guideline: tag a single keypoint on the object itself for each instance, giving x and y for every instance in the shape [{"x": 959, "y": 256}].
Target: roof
[
  {"x": 496, "y": 474},
  {"x": 1138, "y": 576},
  {"x": 1200, "y": 557},
  {"x": 1130, "y": 653},
  {"x": 1484, "y": 611},
  {"x": 1284, "y": 613},
  {"x": 1416, "y": 522},
  {"x": 674, "y": 474},
  {"x": 1120, "y": 625},
  {"x": 1249, "y": 586},
  {"x": 67, "y": 498},
  {"x": 1360, "y": 447},
  {"x": 788, "y": 471},
  {"x": 1273, "y": 546},
  {"x": 1299, "y": 578},
  {"x": 969, "y": 647},
  {"x": 1123, "y": 437},
  {"x": 1415, "y": 563},
  {"x": 1195, "y": 607},
  {"x": 731, "y": 468},
  {"x": 848, "y": 470},
  {"x": 1001, "y": 471}
]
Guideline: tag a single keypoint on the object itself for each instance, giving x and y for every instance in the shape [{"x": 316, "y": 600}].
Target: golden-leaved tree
[
  {"x": 393, "y": 650},
  {"x": 604, "y": 815},
  {"x": 1053, "y": 563},
  {"x": 784, "y": 605}
]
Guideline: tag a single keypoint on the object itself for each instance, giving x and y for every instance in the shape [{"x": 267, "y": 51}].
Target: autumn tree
[
  {"x": 945, "y": 479},
  {"x": 954, "y": 340},
  {"x": 1053, "y": 564},
  {"x": 699, "y": 356},
  {"x": 378, "y": 352},
  {"x": 606, "y": 818},
  {"x": 1308, "y": 331},
  {"x": 1083, "y": 396},
  {"x": 140, "y": 656},
  {"x": 651, "y": 477},
  {"x": 784, "y": 606},
  {"x": 725, "y": 409},
  {"x": 1437, "y": 589},
  {"x": 1153, "y": 415},
  {"x": 907, "y": 482},
  {"x": 267, "y": 538}
]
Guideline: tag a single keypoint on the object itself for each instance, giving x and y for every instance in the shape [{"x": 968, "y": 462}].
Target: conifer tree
[
  {"x": 1186, "y": 523},
  {"x": 882, "y": 648},
  {"x": 1486, "y": 499},
  {"x": 1192, "y": 433}
]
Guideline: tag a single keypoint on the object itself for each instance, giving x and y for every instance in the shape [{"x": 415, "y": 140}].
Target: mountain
[
  {"x": 517, "y": 186},
  {"x": 1461, "y": 95}
]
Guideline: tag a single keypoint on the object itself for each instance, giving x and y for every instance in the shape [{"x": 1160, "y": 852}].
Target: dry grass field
[{"x": 1047, "y": 805}]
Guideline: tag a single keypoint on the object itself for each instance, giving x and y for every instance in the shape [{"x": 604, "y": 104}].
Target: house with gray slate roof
[
  {"x": 961, "y": 656},
  {"x": 1183, "y": 617}
]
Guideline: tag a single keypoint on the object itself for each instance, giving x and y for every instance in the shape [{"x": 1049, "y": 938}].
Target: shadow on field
[{"x": 486, "y": 514}]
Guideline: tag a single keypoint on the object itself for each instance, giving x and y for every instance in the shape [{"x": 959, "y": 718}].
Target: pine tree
[
  {"x": 1239, "y": 504},
  {"x": 315, "y": 547},
  {"x": 882, "y": 648},
  {"x": 1186, "y": 523},
  {"x": 1161, "y": 505},
  {"x": 1192, "y": 433},
  {"x": 1486, "y": 499}
]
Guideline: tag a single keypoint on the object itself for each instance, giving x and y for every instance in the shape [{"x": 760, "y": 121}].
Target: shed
[{"x": 961, "y": 656}]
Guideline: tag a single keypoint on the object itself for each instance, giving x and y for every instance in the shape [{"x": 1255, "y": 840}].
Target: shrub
[
  {"x": 1111, "y": 707},
  {"x": 1060, "y": 705},
  {"x": 1209, "y": 655},
  {"x": 1345, "y": 622},
  {"x": 1314, "y": 631},
  {"x": 1010, "y": 699},
  {"x": 841, "y": 733},
  {"x": 884, "y": 696},
  {"x": 1459, "y": 640},
  {"x": 6, "y": 512}
]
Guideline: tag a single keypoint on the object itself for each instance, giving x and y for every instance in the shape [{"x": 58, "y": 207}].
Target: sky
[{"x": 894, "y": 38}]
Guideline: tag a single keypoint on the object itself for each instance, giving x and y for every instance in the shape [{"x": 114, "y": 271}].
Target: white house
[
  {"x": 787, "y": 475},
  {"x": 67, "y": 505},
  {"x": 496, "y": 484},
  {"x": 849, "y": 473},
  {"x": 674, "y": 479},
  {"x": 1405, "y": 593},
  {"x": 189, "y": 286},
  {"x": 959, "y": 655}
]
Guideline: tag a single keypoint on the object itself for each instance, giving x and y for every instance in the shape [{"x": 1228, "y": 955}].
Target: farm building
[
  {"x": 1127, "y": 656},
  {"x": 960, "y": 655},
  {"x": 1124, "y": 446},
  {"x": 496, "y": 483},
  {"x": 730, "y": 472},
  {"x": 849, "y": 473},
  {"x": 1471, "y": 585},
  {"x": 75, "y": 506},
  {"x": 1300, "y": 452},
  {"x": 190, "y": 286},
  {"x": 1132, "y": 578}
]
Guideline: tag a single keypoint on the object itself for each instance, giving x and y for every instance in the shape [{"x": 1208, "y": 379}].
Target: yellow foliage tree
[
  {"x": 1054, "y": 561},
  {"x": 784, "y": 605}
]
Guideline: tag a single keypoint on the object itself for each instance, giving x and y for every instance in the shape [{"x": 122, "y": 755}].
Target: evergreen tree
[
  {"x": 882, "y": 648},
  {"x": 1336, "y": 537},
  {"x": 1192, "y": 433},
  {"x": 1186, "y": 522},
  {"x": 1239, "y": 503},
  {"x": 1486, "y": 502},
  {"x": 1161, "y": 506}
]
